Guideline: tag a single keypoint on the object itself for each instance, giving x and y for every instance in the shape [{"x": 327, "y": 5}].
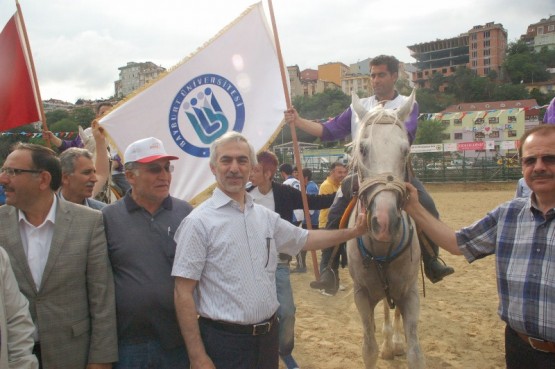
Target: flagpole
[
  {"x": 34, "y": 73},
  {"x": 296, "y": 150}
]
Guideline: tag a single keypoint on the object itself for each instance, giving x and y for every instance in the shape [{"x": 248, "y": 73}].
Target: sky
[{"x": 78, "y": 45}]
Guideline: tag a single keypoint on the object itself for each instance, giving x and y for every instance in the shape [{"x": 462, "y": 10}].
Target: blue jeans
[
  {"x": 150, "y": 355},
  {"x": 286, "y": 310}
]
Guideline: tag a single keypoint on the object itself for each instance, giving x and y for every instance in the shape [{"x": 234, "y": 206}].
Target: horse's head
[{"x": 380, "y": 156}]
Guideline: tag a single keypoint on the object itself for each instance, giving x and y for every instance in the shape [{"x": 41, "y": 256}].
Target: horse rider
[{"x": 384, "y": 73}]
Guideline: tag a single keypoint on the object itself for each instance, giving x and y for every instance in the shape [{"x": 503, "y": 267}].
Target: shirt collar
[
  {"x": 132, "y": 205},
  {"x": 50, "y": 217},
  {"x": 221, "y": 199}
]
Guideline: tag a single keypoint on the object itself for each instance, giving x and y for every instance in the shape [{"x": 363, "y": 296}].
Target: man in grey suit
[
  {"x": 79, "y": 177},
  {"x": 59, "y": 256}
]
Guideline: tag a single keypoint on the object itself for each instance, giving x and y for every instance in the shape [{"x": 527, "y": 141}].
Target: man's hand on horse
[
  {"x": 411, "y": 200},
  {"x": 360, "y": 227}
]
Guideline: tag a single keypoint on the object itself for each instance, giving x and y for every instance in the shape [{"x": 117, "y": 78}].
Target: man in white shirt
[{"x": 227, "y": 250}]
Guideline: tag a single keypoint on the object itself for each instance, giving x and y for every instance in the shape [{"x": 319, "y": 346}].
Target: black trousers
[
  {"x": 520, "y": 355},
  {"x": 241, "y": 351}
]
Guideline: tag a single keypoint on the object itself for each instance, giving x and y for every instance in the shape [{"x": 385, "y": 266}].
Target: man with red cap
[{"x": 140, "y": 229}]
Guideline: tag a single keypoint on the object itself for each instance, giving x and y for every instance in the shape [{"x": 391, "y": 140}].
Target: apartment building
[
  {"x": 134, "y": 75},
  {"x": 481, "y": 49},
  {"x": 541, "y": 34},
  {"x": 332, "y": 72}
]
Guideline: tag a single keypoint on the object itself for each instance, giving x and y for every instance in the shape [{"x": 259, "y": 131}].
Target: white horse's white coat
[{"x": 380, "y": 157}]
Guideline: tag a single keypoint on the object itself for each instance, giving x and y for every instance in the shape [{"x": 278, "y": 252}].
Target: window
[
  {"x": 474, "y": 63},
  {"x": 474, "y": 36},
  {"x": 494, "y": 134},
  {"x": 486, "y": 43},
  {"x": 493, "y": 120},
  {"x": 487, "y": 52},
  {"x": 479, "y": 121},
  {"x": 474, "y": 45},
  {"x": 551, "y": 28},
  {"x": 445, "y": 122},
  {"x": 511, "y": 118},
  {"x": 479, "y": 135},
  {"x": 458, "y": 136},
  {"x": 486, "y": 61},
  {"x": 540, "y": 30},
  {"x": 486, "y": 34},
  {"x": 486, "y": 70},
  {"x": 457, "y": 122},
  {"x": 511, "y": 133},
  {"x": 474, "y": 54}
]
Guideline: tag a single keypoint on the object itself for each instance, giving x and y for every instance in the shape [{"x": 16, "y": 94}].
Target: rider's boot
[{"x": 434, "y": 268}]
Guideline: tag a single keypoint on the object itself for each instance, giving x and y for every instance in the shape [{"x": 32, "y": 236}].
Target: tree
[
  {"x": 83, "y": 116},
  {"x": 56, "y": 115},
  {"x": 64, "y": 125},
  {"x": 436, "y": 81},
  {"x": 322, "y": 105},
  {"x": 510, "y": 92},
  {"x": 522, "y": 64},
  {"x": 429, "y": 132},
  {"x": 433, "y": 102},
  {"x": 460, "y": 84}
]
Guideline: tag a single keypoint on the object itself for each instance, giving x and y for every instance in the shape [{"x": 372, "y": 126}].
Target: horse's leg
[
  {"x": 398, "y": 334},
  {"x": 366, "y": 311},
  {"x": 410, "y": 310},
  {"x": 388, "y": 350}
]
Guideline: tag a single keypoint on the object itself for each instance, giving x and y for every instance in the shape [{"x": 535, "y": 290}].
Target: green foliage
[
  {"x": 510, "y": 92},
  {"x": 433, "y": 102},
  {"x": 323, "y": 105},
  {"x": 64, "y": 125},
  {"x": 522, "y": 64},
  {"x": 83, "y": 116},
  {"x": 56, "y": 115},
  {"x": 429, "y": 132}
]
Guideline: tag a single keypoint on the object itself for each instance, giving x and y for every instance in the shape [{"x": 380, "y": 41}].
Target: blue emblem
[{"x": 204, "y": 109}]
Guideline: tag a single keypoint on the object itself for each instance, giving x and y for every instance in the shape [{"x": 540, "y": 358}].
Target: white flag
[{"x": 232, "y": 83}]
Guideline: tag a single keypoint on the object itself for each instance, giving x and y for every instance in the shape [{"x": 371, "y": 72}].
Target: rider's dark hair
[{"x": 390, "y": 61}]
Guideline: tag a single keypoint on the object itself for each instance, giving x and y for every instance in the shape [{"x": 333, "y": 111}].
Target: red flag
[{"x": 19, "y": 104}]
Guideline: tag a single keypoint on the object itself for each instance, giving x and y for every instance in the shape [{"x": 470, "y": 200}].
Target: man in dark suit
[{"x": 59, "y": 256}]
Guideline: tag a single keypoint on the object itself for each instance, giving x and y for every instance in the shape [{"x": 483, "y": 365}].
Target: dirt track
[{"x": 459, "y": 326}]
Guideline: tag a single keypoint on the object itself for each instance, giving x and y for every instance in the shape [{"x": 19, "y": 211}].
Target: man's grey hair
[
  {"x": 231, "y": 136},
  {"x": 70, "y": 156}
]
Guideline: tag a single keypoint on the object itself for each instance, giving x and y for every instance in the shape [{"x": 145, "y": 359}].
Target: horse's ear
[
  {"x": 82, "y": 135},
  {"x": 357, "y": 106},
  {"x": 406, "y": 108}
]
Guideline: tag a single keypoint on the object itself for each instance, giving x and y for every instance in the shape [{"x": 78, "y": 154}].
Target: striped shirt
[
  {"x": 233, "y": 256},
  {"x": 524, "y": 242}
]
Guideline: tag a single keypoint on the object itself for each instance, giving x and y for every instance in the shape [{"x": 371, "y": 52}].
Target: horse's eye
[{"x": 363, "y": 150}]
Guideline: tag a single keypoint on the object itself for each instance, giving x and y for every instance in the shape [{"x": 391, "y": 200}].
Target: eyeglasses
[
  {"x": 529, "y": 161},
  {"x": 157, "y": 169},
  {"x": 12, "y": 172}
]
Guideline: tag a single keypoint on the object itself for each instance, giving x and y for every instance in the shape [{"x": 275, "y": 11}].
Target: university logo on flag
[
  {"x": 212, "y": 105},
  {"x": 232, "y": 83}
]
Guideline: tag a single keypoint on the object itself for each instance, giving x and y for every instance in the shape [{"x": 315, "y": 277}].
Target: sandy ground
[{"x": 459, "y": 326}]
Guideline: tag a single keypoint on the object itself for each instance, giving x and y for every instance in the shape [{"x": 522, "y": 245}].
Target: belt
[
  {"x": 251, "y": 329},
  {"x": 284, "y": 258},
  {"x": 538, "y": 343}
]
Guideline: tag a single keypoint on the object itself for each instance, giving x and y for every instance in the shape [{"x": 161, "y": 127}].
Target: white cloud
[{"x": 79, "y": 45}]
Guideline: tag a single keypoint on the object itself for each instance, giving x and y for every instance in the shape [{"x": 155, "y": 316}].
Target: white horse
[{"x": 384, "y": 263}]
